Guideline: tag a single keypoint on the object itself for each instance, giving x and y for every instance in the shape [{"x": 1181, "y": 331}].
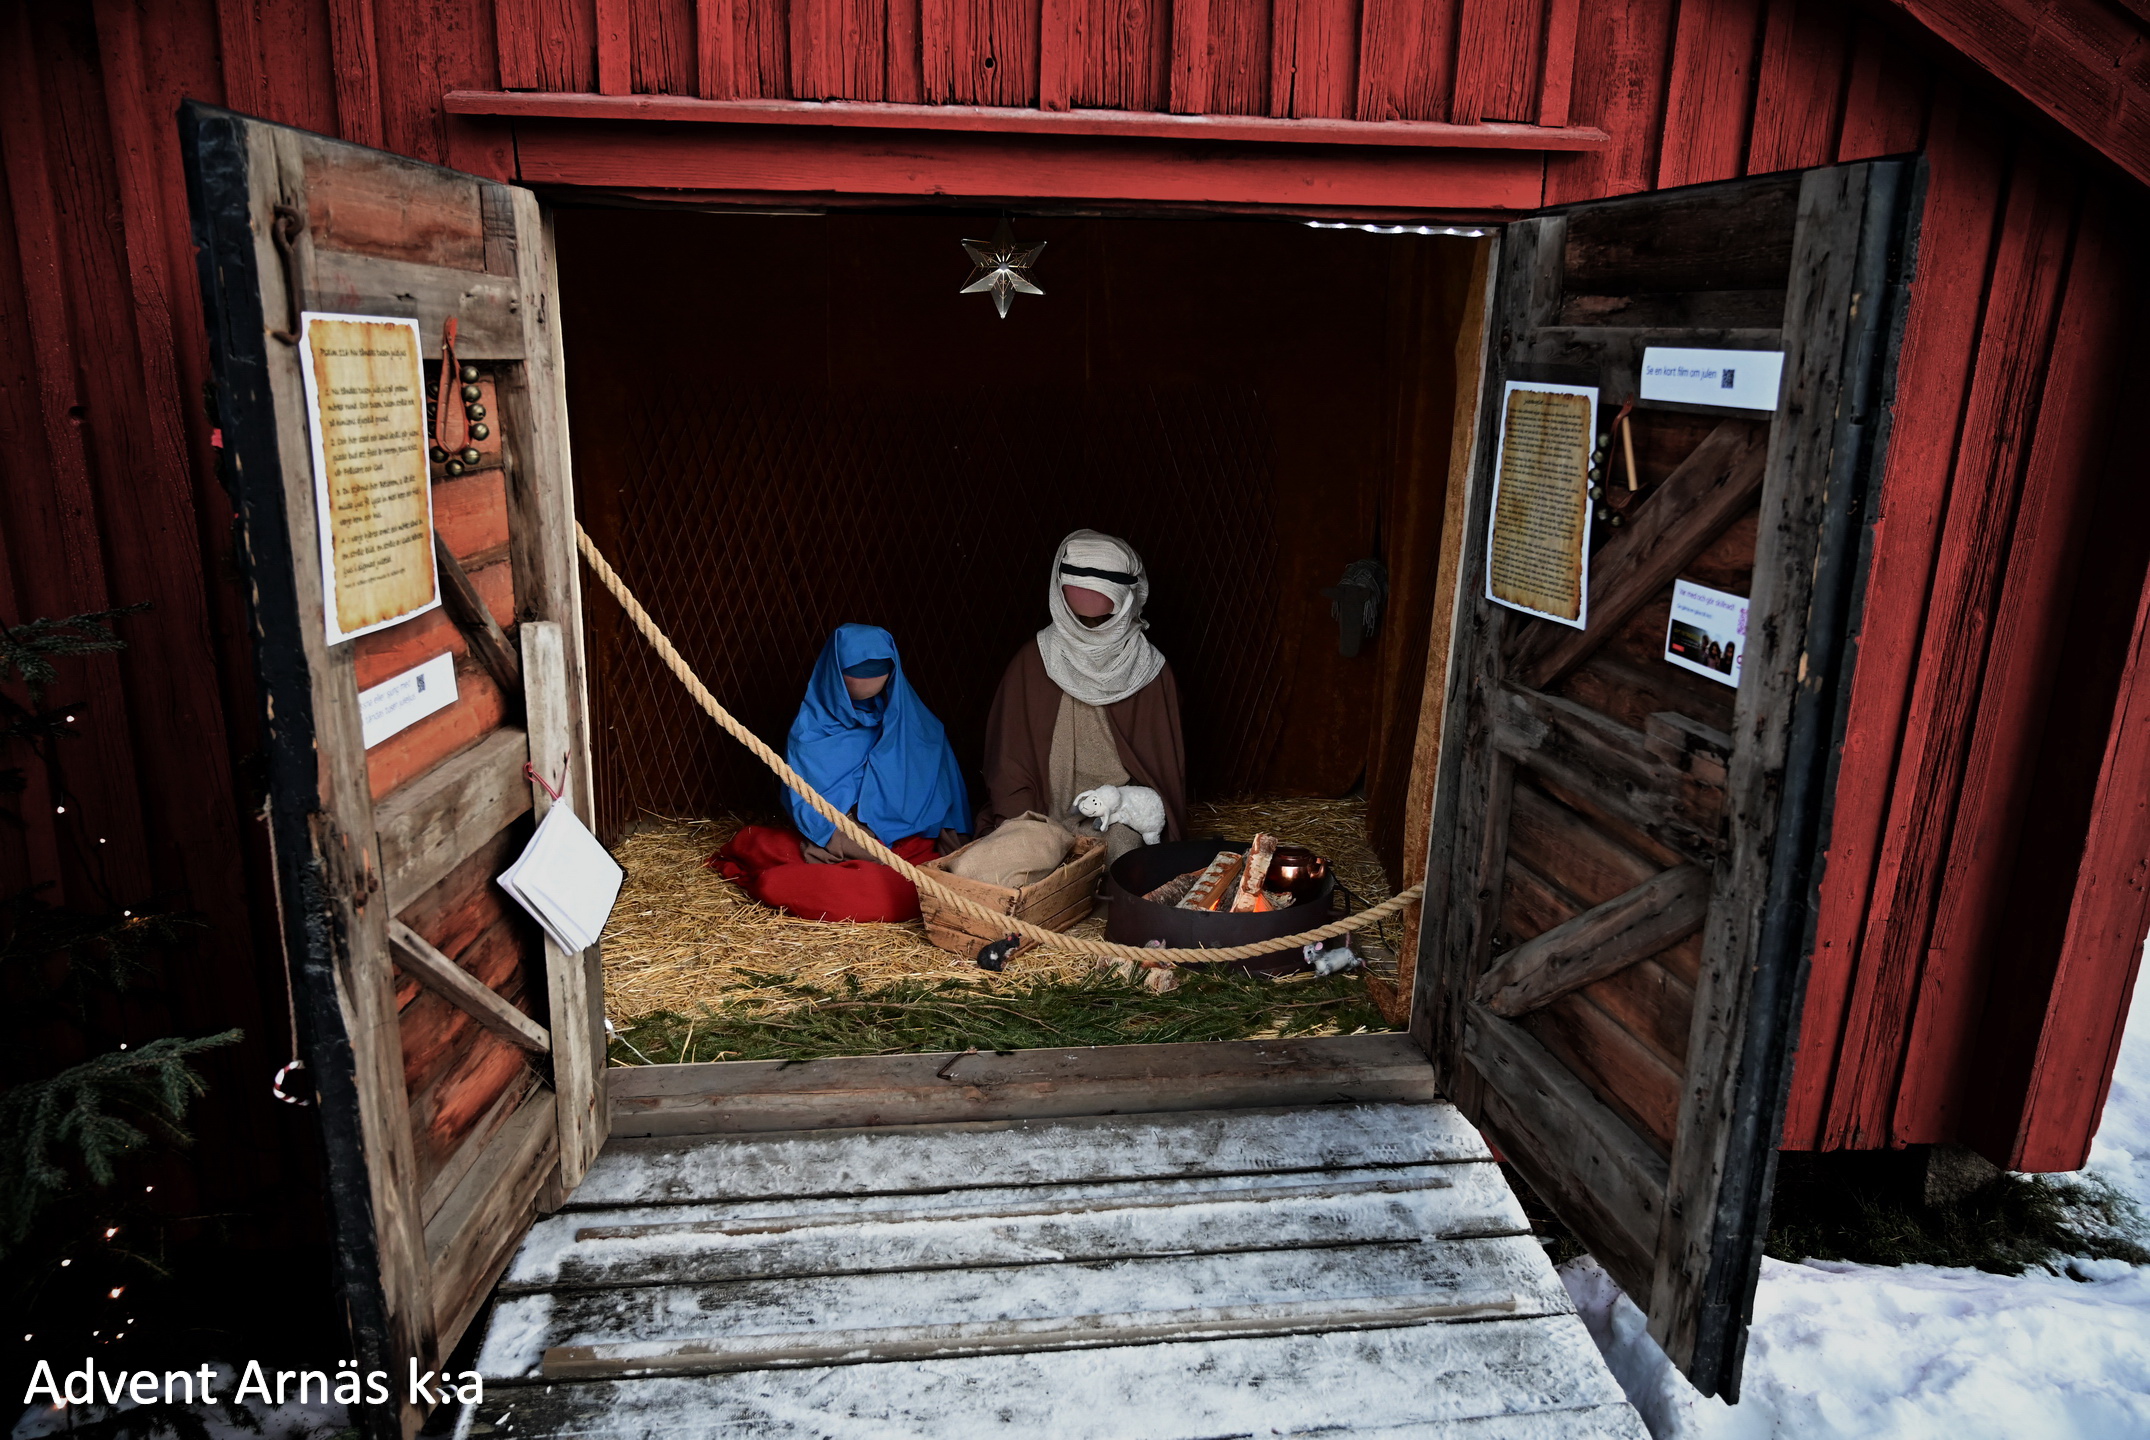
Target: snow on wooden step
[
  {"x": 649, "y": 1246},
  {"x": 762, "y": 1321},
  {"x": 896, "y": 1159},
  {"x": 1536, "y": 1377}
]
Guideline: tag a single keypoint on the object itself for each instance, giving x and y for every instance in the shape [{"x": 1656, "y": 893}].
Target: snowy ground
[{"x": 1841, "y": 1351}]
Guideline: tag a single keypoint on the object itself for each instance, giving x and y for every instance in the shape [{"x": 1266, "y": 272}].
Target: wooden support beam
[
  {"x": 2079, "y": 61},
  {"x": 1599, "y": 942},
  {"x": 488, "y": 642},
  {"x": 466, "y": 991},
  {"x": 1678, "y": 521},
  {"x": 572, "y": 1000}
]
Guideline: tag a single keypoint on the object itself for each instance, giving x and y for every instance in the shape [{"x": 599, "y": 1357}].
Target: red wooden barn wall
[{"x": 1967, "y": 983}]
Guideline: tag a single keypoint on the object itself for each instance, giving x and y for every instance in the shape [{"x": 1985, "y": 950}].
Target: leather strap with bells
[{"x": 458, "y": 382}]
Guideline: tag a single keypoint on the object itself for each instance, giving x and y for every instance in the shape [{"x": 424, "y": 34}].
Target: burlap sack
[{"x": 1022, "y": 851}]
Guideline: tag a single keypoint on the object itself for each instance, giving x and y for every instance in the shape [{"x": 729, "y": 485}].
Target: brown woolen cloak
[{"x": 1019, "y": 742}]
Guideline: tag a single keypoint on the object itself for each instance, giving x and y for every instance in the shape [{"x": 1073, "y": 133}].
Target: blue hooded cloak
[{"x": 886, "y": 760}]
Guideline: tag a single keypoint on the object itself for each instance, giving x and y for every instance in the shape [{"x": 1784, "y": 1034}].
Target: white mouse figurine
[{"x": 1138, "y": 807}]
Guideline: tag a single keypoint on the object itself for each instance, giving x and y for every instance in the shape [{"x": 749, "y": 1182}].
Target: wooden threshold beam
[
  {"x": 1601, "y": 941},
  {"x": 466, "y": 991},
  {"x": 744, "y": 1096},
  {"x": 1021, "y": 120}
]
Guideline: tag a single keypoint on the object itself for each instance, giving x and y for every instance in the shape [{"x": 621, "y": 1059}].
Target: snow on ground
[{"x": 1848, "y": 1352}]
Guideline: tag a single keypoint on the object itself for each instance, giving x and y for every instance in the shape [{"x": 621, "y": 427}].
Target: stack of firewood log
[{"x": 1233, "y": 882}]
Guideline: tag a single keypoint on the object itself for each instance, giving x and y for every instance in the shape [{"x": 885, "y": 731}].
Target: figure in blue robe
[{"x": 865, "y": 740}]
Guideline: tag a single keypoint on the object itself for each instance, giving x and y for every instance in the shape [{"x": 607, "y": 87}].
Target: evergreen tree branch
[
  {"x": 92, "y": 1114},
  {"x": 28, "y": 650}
]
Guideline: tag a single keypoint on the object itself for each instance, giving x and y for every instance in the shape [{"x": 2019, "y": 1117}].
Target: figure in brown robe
[{"x": 1089, "y": 702}]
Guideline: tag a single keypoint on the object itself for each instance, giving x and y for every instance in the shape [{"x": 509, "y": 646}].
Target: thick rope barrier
[{"x": 1154, "y": 959}]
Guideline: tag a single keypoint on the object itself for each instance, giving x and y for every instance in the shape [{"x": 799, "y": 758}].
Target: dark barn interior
[{"x": 810, "y": 426}]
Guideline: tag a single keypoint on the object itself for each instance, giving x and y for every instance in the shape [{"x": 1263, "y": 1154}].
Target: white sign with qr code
[
  {"x": 398, "y": 703},
  {"x": 1743, "y": 379}
]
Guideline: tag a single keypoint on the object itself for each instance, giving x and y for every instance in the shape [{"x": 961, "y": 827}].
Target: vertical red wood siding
[{"x": 1996, "y": 728}]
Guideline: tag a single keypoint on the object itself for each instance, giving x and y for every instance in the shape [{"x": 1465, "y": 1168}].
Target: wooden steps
[{"x": 1351, "y": 1269}]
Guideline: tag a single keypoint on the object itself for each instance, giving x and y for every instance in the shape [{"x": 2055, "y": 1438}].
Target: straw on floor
[{"x": 686, "y": 948}]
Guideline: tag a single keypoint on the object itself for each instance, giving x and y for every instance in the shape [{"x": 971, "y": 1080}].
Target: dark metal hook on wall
[{"x": 284, "y": 232}]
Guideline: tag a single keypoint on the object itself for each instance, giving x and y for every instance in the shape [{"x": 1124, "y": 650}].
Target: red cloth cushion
[{"x": 769, "y": 865}]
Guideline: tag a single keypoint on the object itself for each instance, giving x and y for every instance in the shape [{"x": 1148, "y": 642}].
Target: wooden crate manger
[{"x": 1061, "y": 901}]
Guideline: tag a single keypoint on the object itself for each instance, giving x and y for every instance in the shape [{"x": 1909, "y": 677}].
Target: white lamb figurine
[{"x": 1138, "y": 807}]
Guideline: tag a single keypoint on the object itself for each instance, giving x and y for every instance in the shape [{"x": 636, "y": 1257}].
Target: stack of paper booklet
[{"x": 566, "y": 880}]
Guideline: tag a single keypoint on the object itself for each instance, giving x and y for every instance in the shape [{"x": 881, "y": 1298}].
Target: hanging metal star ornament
[{"x": 998, "y": 267}]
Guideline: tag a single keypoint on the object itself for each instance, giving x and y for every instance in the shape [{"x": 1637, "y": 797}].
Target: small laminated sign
[
  {"x": 400, "y": 702},
  {"x": 1740, "y": 379},
  {"x": 1707, "y": 632}
]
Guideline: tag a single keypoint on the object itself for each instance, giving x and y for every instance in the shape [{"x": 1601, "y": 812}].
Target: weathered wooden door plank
[
  {"x": 567, "y": 976},
  {"x": 475, "y": 1234},
  {"x": 1597, "y": 943},
  {"x": 425, "y": 828},
  {"x": 1610, "y": 765},
  {"x": 1607, "y": 1173}
]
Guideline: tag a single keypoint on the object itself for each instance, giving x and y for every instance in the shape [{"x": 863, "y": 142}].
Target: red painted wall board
[
  {"x": 1709, "y": 96},
  {"x": 1964, "y": 190},
  {"x": 1621, "y": 55},
  {"x": 1500, "y": 47},
  {"x": 1884, "y": 95},
  {"x": 2110, "y": 912},
  {"x": 1799, "y": 91},
  {"x": 1314, "y": 55},
  {"x": 1407, "y": 52},
  {"x": 2031, "y": 651},
  {"x": 2013, "y": 345},
  {"x": 663, "y": 46},
  {"x": 1123, "y": 55}
]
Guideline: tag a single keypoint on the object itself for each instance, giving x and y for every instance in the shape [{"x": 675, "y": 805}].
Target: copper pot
[{"x": 1296, "y": 869}]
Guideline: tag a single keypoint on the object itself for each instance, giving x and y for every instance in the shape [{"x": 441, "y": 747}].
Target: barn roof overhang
[{"x": 2084, "y": 63}]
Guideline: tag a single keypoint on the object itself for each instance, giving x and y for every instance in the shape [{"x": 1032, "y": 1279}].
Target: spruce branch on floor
[{"x": 786, "y": 1019}]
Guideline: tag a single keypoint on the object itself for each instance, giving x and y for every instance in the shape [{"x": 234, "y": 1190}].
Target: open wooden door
[
  {"x": 456, "y": 1054},
  {"x": 1625, "y": 850}
]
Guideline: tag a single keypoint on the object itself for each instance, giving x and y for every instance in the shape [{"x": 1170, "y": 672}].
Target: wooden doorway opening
[{"x": 819, "y": 429}]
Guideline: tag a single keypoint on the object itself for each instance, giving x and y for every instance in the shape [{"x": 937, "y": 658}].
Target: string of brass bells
[{"x": 472, "y": 396}]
